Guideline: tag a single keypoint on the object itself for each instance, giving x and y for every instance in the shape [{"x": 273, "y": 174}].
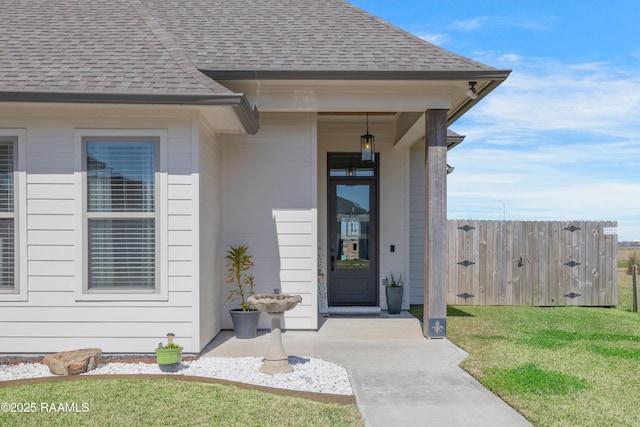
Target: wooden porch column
[{"x": 435, "y": 254}]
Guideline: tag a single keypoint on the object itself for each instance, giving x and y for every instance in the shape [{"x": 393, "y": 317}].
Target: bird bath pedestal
[{"x": 275, "y": 305}]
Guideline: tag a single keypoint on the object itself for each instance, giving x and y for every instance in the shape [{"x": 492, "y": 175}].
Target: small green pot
[{"x": 169, "y": 359}]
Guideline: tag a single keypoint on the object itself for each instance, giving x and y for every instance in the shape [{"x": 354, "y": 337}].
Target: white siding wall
[
  {"x": 417, "y": 223},
  {"x": 343, "y": 135},
  {"x": 269, "y": 204},
  {"x": 52, "y": 319},
  {"x": 211, "y": 273}
]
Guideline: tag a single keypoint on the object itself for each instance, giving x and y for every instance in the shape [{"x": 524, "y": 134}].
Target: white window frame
[
  {"x": 82, "y": 291},
  {"x": 19, "y": 215}
]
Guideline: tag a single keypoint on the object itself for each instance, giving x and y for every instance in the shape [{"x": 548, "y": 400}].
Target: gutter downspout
[{"x": 247, "y": 115}]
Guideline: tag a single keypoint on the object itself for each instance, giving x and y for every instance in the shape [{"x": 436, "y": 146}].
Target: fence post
[{"x": 635, "y": 288}]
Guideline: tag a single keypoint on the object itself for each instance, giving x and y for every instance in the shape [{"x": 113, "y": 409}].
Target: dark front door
[{"x": 352, "y": 240}]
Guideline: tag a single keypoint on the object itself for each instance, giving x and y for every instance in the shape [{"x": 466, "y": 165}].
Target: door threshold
[{"x": 354, "y": 310}]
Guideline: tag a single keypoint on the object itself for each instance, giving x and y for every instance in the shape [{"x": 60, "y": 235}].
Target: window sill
[
  {"x": 117, "y": 295},
  {"x": 13, "y": 296}
]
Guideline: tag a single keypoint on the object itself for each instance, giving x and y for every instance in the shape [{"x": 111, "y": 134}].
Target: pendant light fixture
[{"x": 367, "y": 145}]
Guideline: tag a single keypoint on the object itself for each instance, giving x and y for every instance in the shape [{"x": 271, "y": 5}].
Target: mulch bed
[
  {"x": 151, "y": 358},
  {"x": 105, "y": 358}
]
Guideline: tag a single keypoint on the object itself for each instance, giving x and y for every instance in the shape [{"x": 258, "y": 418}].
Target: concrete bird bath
[{"x": 275, "y": 305}]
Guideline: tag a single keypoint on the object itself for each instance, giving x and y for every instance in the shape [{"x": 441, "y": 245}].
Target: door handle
[{"x": 333, "y": 260}]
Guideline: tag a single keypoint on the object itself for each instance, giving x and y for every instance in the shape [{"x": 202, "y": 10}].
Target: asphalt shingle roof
[
  {"x": 297, "y": 35},
  {"x": 92, "y": 46},
  {"x": 158, "y": 46}
]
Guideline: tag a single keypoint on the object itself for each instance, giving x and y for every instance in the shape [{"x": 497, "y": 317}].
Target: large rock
[{"x": 73, "y": 362}]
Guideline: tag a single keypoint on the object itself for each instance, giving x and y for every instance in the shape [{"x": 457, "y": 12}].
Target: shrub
[
  {"x": 238, "y": 263},
  {"x": 172, "y": 345}
]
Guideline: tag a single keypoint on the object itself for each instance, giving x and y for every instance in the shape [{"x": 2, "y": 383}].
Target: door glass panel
[{"x": 352, "y": 216}]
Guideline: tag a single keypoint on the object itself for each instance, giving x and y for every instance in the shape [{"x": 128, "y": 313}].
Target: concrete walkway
[{"x": 398, "y": 376}]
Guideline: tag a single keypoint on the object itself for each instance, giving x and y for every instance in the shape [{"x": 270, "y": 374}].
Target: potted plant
[
  {"x": 245, "y": 319},
  {"x": 169, "y": 356},
  {"x": 394, "y": 289}
]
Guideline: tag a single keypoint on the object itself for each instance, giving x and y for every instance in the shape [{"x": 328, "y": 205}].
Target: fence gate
[{"x": 532, "y": 263}]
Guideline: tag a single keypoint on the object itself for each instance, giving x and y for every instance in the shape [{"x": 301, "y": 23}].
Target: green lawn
[
  {"x": 563, "y": 366},
  {"x": 165, "y": 402}
]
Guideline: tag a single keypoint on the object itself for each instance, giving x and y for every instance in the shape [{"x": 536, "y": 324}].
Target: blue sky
[{"x": 559, "y": 139}]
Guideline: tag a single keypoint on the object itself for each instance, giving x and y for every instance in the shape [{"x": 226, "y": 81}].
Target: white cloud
[
  {"x": 588, "y": 66},
  {"x": 469, "y": 24},
  {"x": 510, "y": 21},
  {"x": 584, "y": 99},
  {"x": 555, "y": 141},
  {"x": 509, "y": 57},
  {"x": 437, "y": 39}
]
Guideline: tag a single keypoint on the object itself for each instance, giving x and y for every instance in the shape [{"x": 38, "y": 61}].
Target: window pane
[
  {"x": 122, "y": 253},
  {"x": 7, "y": 275},
  {"x": 353, "y": 218},
  {"x": 6, "y": 176},
  {"x": 120, "y": 176},
  {"x": 350, "y": 164}
]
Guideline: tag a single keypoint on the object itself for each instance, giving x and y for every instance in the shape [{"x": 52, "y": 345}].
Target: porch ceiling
[
  {"x": 409, "y": 127},
  {"x": 403, "y": 102}
]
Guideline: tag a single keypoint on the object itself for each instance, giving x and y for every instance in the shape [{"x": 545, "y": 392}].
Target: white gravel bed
[{"x": 309, "y": 374}]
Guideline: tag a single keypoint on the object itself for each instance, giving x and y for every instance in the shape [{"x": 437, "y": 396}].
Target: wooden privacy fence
[{"x": 532, "y": 263}]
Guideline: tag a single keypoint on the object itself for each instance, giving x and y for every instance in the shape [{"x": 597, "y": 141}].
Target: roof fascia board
[
  {"x": 120, "y": 98},
  {"x": 247, "y": 115},
  {"x": 456, "y": 113},
  {"x": 355, "y": 75},
  {"x": 454, "y": 140}
]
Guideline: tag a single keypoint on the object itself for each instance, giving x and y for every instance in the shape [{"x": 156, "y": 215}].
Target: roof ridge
[
  {"x": 407, "y": 33},
  {"x": 174, "y": 50}
]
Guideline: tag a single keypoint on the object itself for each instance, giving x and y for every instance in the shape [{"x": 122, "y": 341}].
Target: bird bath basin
[{"x": 275, "y": 305}]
